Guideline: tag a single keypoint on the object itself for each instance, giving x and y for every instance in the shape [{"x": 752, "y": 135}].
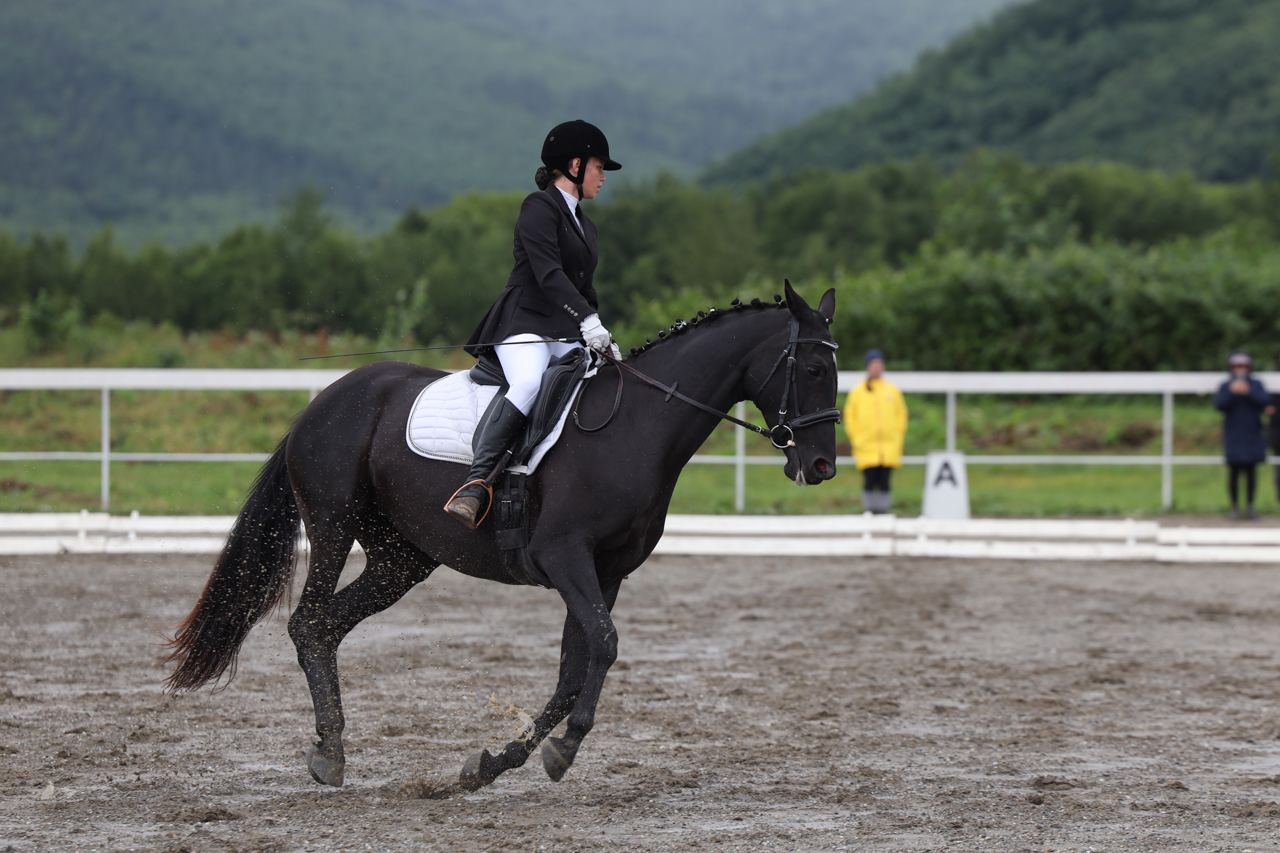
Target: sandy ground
[{"x": 814, "y": 705}]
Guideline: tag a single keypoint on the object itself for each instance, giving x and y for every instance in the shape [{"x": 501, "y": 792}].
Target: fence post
[
  {"x": 106, "y": 449},
  {"x": 740, "y": 461},
  {"x": 951, "y": 420},
  {"x": 1166, "y": 450}
]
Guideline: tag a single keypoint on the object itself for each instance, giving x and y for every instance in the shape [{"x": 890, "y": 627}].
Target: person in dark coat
[
  {"x": 549, "y": 306},
  {"x": 1242, "y": 400},
  {"x": 1274, "y": 411}
]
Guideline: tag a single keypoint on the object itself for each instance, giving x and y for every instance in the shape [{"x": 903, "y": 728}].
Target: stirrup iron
[{"x": 476, "y": 524}]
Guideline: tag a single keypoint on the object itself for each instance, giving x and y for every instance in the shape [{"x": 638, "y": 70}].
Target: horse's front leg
[
  {"x": 583, "y": 598},
  {"x": 483, "y": 768}
]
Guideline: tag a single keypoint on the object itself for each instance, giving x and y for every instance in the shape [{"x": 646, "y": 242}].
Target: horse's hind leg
[
  {"x": 393, "y": 567},
  {"x": 482, "y": 768},
  {"x": 310, "y": 631}
]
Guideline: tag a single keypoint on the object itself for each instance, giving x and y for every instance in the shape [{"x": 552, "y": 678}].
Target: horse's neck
[{"x": 710, "y": 365}]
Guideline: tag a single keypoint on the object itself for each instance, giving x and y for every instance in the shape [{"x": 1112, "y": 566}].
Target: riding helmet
[{"x": 576, "y": 139}]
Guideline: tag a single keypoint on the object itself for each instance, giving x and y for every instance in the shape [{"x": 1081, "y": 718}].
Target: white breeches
[{"x": 524, "y": 365}]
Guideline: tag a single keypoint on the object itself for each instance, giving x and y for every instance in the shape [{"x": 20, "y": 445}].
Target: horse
[{"x": 597, "y": 506}]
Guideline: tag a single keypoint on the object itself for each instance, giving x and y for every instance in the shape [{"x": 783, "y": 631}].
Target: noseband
[{"x": 790, "y": 394}]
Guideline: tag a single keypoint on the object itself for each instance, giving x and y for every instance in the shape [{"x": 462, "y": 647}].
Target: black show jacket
[{"x": 550, "y": 290}]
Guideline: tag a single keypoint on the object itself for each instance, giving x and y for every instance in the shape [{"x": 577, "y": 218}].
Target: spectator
[
  {"x": 1274, "y": 411},
  {"x": 875, "y": 419},
  {"x": 1242, "y": 400}
]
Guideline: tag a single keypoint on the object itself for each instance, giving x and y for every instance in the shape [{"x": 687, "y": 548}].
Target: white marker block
[{"x": 946, "y": 485}]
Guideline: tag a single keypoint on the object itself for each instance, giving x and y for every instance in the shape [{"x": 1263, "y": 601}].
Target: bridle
[{"x": 790, "y": 395}]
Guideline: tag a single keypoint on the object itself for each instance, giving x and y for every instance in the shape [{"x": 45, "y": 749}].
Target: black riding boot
[{"x": 470, "y": 504}]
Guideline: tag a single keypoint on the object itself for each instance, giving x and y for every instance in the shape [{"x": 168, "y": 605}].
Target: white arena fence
[
  {"x": 831, "y": 536},
  {"x": 1165, "y": 384}
]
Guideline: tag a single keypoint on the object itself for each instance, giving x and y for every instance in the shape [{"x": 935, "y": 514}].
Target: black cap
[{"x": 576, "y": 139}]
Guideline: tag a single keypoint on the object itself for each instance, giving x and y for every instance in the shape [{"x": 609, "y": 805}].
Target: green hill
[
  {"x": 175, "y": 120},
  {"x": 1173, "y": 84}
]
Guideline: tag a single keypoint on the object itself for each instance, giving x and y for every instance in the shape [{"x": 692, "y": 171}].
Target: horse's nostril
[{"x": 821, "y": 465}]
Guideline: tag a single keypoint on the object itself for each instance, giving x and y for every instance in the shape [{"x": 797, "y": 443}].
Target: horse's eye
[{"x": 814, "y": 371}]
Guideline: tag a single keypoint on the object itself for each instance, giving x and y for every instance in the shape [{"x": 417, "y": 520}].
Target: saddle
[
  {"x": 450, "y": 413},
  {"x": 559, "y": 385}
]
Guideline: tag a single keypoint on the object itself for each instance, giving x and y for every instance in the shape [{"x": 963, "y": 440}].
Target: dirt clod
[
  {"x": 1053, "y": 783},
  {"x": 203, "y": 814}
]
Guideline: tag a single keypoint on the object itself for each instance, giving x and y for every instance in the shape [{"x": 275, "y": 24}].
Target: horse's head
[{"x": 794, "y": 385}]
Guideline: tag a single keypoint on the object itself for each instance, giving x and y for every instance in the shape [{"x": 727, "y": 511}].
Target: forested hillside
[
  {"x": 178, "y": 120},
  {"x": 1174, "y": 84}
]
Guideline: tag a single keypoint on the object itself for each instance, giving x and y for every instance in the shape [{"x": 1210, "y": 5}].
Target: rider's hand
[
  {"x": 594, "y": 333},
  {"x": 617, "y": 353}
]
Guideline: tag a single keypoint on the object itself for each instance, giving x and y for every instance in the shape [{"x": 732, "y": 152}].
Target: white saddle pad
[{"x": 443, "y": 421}]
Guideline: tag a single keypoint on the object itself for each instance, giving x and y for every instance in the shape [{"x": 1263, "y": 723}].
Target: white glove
[
  {"x": 595, "y": 334},
  {"x": 617, "y": 353}
]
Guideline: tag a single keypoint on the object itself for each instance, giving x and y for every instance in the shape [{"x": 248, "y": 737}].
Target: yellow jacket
[{"x": 875, "y": 420}]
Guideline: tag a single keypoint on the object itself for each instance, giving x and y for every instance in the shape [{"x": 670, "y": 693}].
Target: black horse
[{"x": 598, "y": 503}]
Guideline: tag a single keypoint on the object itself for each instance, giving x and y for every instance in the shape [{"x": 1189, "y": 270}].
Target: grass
[
  {"x": 152, "y": 488},
  {"x": 1011, "y": 490},
  {"x": 178, "y": 421},
  {"x": 1005, "y": 490}
]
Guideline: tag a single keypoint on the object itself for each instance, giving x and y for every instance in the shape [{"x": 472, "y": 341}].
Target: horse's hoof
[
  {"x": 323, "y": 770},
  {"x": 477, "y": 772},
  {"x": 556, "y": 758}
]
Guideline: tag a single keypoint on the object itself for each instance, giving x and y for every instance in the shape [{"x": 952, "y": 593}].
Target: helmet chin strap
[
  {"x": 582, "y": 172},
  {"x": 577, "y": 179}
]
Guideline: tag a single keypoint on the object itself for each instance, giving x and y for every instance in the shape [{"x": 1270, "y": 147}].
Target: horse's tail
[{"x": 252, "y": 575}]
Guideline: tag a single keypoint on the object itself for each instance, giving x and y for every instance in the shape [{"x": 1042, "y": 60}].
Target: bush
[
  {"x": 1178, "y": 307},
  {"x": 47, "y": 323}
]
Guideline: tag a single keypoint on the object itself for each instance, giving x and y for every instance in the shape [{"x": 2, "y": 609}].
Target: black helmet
[{"x": 576, "y": 139}]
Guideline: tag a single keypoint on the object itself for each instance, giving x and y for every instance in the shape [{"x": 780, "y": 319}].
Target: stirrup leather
[{"x": 488, "y": 489}]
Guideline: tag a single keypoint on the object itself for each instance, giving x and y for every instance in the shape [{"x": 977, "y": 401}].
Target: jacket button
[{"x": 582, "y": 275}]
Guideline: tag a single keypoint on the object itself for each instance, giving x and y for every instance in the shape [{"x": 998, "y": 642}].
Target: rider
[{"x": 548, "y": 296}]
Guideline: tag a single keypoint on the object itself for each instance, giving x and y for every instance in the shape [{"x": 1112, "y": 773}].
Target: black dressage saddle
[{"x": 558, "y": 384}]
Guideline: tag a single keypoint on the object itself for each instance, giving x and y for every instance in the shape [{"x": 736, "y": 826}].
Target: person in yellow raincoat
[{"x": 875, "y": 418}]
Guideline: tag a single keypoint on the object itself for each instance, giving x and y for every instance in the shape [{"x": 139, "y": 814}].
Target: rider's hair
[{"x": 545, "y": 177}]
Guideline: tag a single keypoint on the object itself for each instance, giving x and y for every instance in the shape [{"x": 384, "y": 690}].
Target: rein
[{"x": 788, "y": 392}]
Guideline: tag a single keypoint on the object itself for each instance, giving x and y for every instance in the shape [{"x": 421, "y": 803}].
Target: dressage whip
[{"x": 450, "y": 346}]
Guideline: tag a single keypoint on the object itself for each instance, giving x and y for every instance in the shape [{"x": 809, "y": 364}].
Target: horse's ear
[
  {"x": 797, "y": 305},
  {"x": 827, "y": 306}
]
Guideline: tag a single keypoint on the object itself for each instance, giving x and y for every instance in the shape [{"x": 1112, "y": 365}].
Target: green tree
[
  {"x": 666, "y": 236},
  {"x": 236, "y": 284}
]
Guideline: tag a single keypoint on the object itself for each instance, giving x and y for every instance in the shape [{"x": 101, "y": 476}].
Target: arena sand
[{"x": 757, "y": 704}]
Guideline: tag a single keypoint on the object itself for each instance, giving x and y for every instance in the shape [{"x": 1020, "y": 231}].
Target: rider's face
[{"x": 594, "y": 179}]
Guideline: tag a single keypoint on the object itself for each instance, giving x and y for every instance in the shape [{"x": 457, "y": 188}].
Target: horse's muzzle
[
  {"x": 809, "y": 473},
  {"x": 820, "y": 470}
]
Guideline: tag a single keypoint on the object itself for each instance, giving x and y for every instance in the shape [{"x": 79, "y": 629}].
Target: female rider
[{"x": 548, "y": 296}]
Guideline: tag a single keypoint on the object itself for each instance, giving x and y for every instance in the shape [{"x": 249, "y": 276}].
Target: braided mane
[{"x": 703, "y": 318}]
